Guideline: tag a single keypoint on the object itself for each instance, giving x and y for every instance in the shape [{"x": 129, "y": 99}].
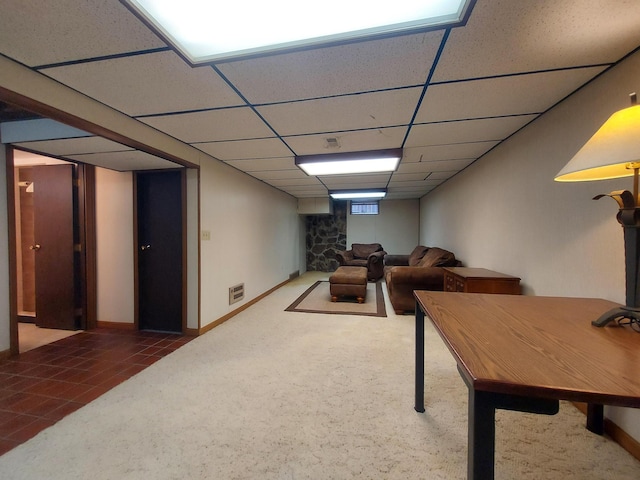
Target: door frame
[
  {"x": 136, "y": 243},
  {"x": 86, "y": 214}
]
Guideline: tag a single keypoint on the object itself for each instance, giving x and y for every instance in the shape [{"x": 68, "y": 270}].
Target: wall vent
[
  {"x": 295, "y": 274},
  {"x": 236, "y": 293}
]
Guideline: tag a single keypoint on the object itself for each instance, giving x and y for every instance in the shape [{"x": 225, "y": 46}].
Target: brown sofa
[
  {"x": 370, "y": 255},
  {"x": 420, "y": 270}
]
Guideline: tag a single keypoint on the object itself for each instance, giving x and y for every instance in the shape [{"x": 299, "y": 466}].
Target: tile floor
[{"x": 41, "y": 386}]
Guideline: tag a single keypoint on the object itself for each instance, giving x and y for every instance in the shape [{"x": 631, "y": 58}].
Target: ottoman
[{"x": 348, "y": 281}]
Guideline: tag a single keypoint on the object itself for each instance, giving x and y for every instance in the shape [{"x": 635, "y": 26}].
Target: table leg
[
  {"x": 482, "y": 436},
  {"x": 419, "y": 383},
  {"x": 595, "y": 418}
]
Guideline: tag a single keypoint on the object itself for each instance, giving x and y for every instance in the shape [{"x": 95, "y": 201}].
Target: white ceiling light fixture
[
  {"x": 349, "y": 163},
  {"x": 204, "y": 31},
  {"x": 369, "y": 194}
]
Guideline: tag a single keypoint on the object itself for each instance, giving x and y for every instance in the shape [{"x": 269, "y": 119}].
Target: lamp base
[{"x": 632, "y": 313}]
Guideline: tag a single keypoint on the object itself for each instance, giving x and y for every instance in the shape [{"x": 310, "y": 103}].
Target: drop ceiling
[{"x": 446, "y": 97}]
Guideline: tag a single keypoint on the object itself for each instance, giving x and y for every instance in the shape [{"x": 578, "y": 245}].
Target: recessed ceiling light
[
  {"x": 206, "y": 31},
  {"x": 374, "y": 161}
]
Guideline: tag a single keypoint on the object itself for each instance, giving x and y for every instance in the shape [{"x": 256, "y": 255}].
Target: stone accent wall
[{"x": 326, "y": 235}]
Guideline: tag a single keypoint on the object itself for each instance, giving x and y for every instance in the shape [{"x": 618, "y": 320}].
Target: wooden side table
[{"x": 479, "y": 280}]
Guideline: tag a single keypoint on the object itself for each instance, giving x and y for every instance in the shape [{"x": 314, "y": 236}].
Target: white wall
[
  {"x": 255, "y": 233},
  {"x": 4, "y": 256},
  {"x": 396, "y": 227},
  {"x": 114, "y": 246},
  {"x": 506, "y": 213}
]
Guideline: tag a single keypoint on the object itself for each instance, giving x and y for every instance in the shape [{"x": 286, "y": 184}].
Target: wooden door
[
  {"x": 160, "y": 247},
  {"x": 53, "y": 208}
]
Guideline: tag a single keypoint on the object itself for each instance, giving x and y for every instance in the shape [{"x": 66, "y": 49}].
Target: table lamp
[{"x": 614, "y": 152}]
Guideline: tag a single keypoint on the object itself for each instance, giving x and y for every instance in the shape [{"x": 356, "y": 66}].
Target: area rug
[{"x": 317, "y": 299}]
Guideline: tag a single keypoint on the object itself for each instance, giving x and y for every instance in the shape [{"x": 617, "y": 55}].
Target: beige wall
[
  {"x": 396, "y": 228},
  {"x": 114, "y": 246},
  {"x": 506, "y": 213},
  {"x": 254, "y": 237}
]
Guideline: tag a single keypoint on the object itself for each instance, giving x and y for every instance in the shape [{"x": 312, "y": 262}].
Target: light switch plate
[{"x": 205, "y": 235}]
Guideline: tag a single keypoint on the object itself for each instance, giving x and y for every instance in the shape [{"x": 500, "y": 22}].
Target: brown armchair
[{"x": 370, "y": 255}]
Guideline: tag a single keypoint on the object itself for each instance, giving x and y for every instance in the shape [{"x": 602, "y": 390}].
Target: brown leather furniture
[
  {"x": 369, "y": 255},
  {"x": 348, "y": 281},
  {"x": 420, "y": 270}
]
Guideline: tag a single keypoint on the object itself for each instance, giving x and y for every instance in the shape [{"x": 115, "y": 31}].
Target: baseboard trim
[
  {"x": 616, "y": 433},
  {"x": 116, "y": 325},
  {"x": 241, "y": 308}
]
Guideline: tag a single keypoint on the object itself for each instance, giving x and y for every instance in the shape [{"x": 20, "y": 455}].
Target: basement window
[{"x": 370, "y": 207}]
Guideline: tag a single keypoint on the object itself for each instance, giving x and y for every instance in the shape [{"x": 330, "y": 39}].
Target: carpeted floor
[{"x": 266, "y": 396}]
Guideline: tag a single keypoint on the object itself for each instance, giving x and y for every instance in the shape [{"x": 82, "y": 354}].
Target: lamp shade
[{"x": 610, "y": 153}]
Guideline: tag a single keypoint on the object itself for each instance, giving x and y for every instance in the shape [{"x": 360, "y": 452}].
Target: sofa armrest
[
  {"x": 416, "y": 278},
  {"x": 391, "y": 260},
  {"x": 344, "y": 256},
  {"x": 376, "y": 257}
]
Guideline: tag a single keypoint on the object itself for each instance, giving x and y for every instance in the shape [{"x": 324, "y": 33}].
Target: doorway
[
  {"x": 54, "y": 249},
  {"x": 161, "y": 254}
]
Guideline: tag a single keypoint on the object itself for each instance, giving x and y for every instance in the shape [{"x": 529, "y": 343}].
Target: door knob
[
  {"x": 145, "y": 247},
  {"x": 35, "y": 247}
]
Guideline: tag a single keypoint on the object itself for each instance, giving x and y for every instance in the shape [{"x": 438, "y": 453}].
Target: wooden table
[{"x": 526, "y": 353}]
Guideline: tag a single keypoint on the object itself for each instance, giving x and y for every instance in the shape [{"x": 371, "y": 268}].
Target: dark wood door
[
  {"x": 53, "y": 208},
  {"x": 160, "y": 250}
]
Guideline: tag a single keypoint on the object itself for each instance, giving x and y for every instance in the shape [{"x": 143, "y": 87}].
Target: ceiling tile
[
  {"x": 41, "y": 32},
  {"x": 246, "y": 149},
  {"x": 352, "y": 68},
  {"x": 465, "y": 130},
  {"x": 504, "y": 37},
  {"x": 435, "y": 166},
  {"x": 147, "y": 84},
  {"x": 212, "y": 125},
  {"x": 267, "y": 175},
  {"x": 453, "y": 151},
  {"x": 260, "y": 164},
  {"x": 296, "y": 182},
  {"x": 519, "y": 94},
  {"x": 371, "y": 110},
  {"x": 349, "y": 141}
]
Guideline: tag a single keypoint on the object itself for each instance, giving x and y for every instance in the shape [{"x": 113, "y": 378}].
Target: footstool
[{"x": 348, "y": 281}]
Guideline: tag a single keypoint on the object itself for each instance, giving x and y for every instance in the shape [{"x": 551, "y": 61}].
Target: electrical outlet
[{"x": 205, "y": 235}]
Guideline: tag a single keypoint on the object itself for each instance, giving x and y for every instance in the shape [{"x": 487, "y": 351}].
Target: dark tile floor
[{"x": 41, "y": 386}]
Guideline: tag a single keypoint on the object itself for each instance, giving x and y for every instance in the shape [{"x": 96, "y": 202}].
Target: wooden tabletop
[{"x": 538, "y": 346}]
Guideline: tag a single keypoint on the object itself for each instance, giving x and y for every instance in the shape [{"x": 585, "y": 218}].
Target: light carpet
[
  {"x": 266, "y": 396},
  {"x": 317, "y": 299}
]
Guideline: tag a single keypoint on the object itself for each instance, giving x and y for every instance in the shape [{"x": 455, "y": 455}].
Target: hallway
[{"x": 43, "y": 385}]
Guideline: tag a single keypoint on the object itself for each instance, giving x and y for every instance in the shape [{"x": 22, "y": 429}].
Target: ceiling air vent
[
  {"x": 236, "y": 293},
  {"x": 332, "y": 142}
]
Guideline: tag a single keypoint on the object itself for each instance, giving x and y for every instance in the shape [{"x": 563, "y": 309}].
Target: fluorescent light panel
[
  {"x": 357, "y": 194},
  {"x": 206, "y": 31},
  {"x": 375, "y": 161}
]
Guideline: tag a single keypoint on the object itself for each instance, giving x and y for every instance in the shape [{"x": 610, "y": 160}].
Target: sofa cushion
[
  {"x": 417, "y": 254},
  {"x": 363, "y": 250},
  {"x": 437, "y": 257}
]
